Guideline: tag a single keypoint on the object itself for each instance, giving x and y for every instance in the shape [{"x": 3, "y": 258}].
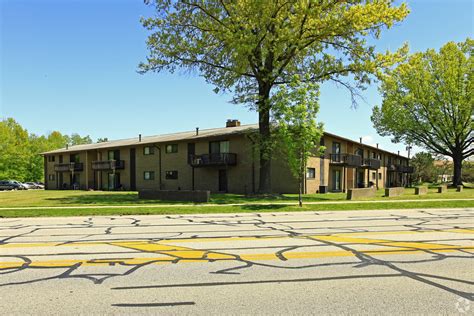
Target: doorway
[
  {"x": 114, "y": 181},
  {"x": 222, "y": 180},
  {"x": 336, "y": 180}
]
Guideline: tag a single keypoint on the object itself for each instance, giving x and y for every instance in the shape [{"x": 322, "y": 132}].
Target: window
[
  {"x": 148, "y": 150},
  {"x": 51, "y": 158},
  {"x": 74, "y": 158},
  {"x": 149, "y": 175},
  {"x": 171, "y": 175},
  {"x": 219, "y": 147},
  {"x": 374, "y": 175},
  {"x": 380, "y": 176},
  {"x": 51, "y": 177},
  {"x": 171, "y": 148},
  {"x": 310, "y": 173},
  {"x": 113, "y": 155}
]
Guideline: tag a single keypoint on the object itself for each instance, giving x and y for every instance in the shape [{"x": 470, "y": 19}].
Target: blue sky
[{"x": 70, "y": 65}]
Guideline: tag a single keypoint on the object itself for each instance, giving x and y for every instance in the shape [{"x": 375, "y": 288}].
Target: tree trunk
[
  {"x": 457, "y": 165},
  {"x": 300, "y": 192},
  {"x": 265, "y": 185}
]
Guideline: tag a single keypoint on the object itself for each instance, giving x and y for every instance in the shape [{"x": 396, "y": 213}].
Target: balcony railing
[
  {"x": 69, "y": 167},
  {"x": 348, "y": 160},
  {"x": 209, "y": 160},
  {"x": 108, "y": 165},
  {"x": 371, "y": 163},
  {"x": 401, "y": 168}
]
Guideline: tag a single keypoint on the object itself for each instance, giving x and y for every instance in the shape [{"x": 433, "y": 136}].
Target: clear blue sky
[{"x": 70, "y": 65}]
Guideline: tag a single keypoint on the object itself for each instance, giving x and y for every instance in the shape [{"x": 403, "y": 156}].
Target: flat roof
[{"x": 189, "y": 135}]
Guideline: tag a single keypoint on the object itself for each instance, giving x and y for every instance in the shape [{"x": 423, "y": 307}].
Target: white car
[{"x": 30, "y": 185}]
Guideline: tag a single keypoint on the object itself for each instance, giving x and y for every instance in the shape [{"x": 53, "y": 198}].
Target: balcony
[
  {"x": 347, "y": 160},
  {"x": 69, "y": 167},
  {"x": 371, "y": 163},
  {"x": 407, "y": 169},
  {"x": 210, "y": 160},
  {"x": 104, "y": 165},
  {"x": 400, "y": 168}
]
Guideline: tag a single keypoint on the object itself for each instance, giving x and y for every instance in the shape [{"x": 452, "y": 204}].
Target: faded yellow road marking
[
  {"x": 197, "y": 256},
  {"x": 237, "y": 238}
]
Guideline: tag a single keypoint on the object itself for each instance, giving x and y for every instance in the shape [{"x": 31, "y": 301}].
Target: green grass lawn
[
  {"x": 79, "y": 198},
  {"x": 105, "y": 203}
]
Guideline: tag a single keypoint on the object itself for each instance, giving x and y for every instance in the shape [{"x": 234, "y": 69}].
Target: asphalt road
[{"x": 351, "y": 262}]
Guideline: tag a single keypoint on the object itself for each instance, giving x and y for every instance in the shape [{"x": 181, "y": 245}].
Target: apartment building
[{"x": 220, "y": 160}]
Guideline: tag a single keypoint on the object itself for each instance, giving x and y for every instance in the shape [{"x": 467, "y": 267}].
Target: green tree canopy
[
  {"x": 424, "y": 167},
  {"x": 428, "y": 101},
  {"x": 249, "y": 47},
  {"x": 296, "y": 129},
  {"x": 20, "y": 157}
]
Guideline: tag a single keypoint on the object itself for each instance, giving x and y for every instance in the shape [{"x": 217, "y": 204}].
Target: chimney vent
[
  {"x": 139, "y": 137},
  {"x": 360, "y": 140},
  {"x": 399, "y": 152},
  {"x": 232, "y": 123},
  {"x": 197, "y": 131},
  {"x": 377, "y": 145},
  {"x": 67, "y": 146}
]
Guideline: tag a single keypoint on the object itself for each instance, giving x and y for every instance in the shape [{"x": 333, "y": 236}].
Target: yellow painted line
[
  {"x": 189, "y": 256},
  {"x": 341, "y": 237}
]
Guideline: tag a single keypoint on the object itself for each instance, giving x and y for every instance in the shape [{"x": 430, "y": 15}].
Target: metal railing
[
  {"x": 205, "y": 160},
  {"x": 371, "y": 163},
  {"x": 400, "y": 168},
  {"x": 108, "y": 165},
  {"x": 349, "y": 160},
  {"x": 69, "y": 167}
]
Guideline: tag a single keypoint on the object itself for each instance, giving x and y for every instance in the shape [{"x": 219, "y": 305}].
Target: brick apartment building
[{"x": 219, "y": 160}]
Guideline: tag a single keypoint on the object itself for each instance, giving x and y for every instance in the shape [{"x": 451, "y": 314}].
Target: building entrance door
[
  {"x": 223, "y": 180},
  {"x": 336, "y": 180}
]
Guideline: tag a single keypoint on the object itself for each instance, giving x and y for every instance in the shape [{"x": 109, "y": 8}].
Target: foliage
[
  {"x": 424, "y": 167},
  {"x": 295, "y": 110},
  {"x": 20, "y": 157},
  {"x": 428, "y": 101},
  {"x": 249, "y": 47},
  {"x": 468, "y": 171}
]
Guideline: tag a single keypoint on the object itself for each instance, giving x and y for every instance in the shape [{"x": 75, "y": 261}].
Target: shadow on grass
[{"x": 262, "y": 207}]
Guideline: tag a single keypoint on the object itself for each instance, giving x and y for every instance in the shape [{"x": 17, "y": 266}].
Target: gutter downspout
[{"x": 159, "y": 165}]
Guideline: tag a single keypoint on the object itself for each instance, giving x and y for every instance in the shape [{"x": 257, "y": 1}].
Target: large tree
[
  {"x": 428, "y": 101},
  {"x": 250, "y": 47}
]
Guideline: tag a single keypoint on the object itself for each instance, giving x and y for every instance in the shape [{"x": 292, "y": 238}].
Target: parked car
[
  {"x": 11, "y": 185},
  {"x": 22, "y": 185},
  {"x": 31, "y": 185},
  {"x": 40, "y": 185}
]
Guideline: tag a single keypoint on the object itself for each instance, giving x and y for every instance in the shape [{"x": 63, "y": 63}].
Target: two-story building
[{"x": 220, "y": 160}]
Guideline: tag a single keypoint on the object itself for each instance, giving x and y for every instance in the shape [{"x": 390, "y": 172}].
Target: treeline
[{"x": 19, "y": 150}]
